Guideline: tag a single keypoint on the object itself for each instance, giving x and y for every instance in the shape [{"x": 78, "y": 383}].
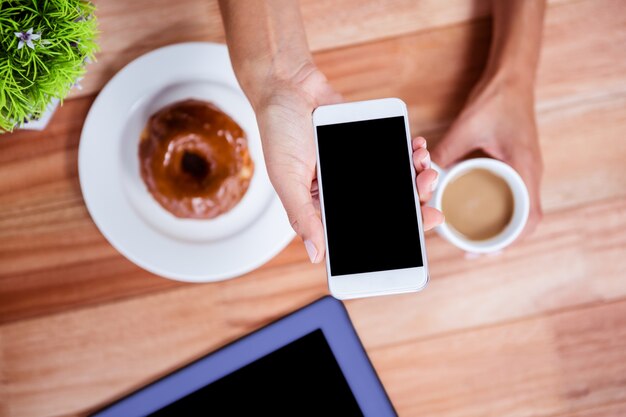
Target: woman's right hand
[
  {"x": 271, "y": 59},
  {"x": 284, "y": 110},
  {"x": 284, "y": 116}
]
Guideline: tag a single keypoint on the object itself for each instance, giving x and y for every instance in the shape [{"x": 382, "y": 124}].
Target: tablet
[{"x": 310, "y": 362}]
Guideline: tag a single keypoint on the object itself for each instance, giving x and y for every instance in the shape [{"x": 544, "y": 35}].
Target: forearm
[
  {"x": 516, "y": 44},
  {"x": 266, "y": 40}
]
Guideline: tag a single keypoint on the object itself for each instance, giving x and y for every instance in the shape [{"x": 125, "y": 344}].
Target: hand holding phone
[{"x": 369, "y": 201}]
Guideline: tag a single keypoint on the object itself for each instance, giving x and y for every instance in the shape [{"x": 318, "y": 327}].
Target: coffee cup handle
[
  {"x": 441, "y": 172},
  {"x": 437, "y": 168}
]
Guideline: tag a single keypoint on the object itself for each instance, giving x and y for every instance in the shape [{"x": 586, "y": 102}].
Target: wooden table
[{"x": 537, "y": 331}]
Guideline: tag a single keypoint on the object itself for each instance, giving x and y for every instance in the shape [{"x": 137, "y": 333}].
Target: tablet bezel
[{"x": 327, "y": 314}]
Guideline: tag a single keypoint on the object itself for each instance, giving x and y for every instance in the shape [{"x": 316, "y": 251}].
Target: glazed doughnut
[{"x": 194, "y": 159}]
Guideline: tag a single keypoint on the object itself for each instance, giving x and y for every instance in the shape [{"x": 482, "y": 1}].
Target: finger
[
  {"x": 530, "y": 168},
  {"x": 421, "y": 160},
  {"x": 418, "y": 142},
  {"x": 315, "y": 195},
  {"x": 304, "y": 218},
  {"x": 534, "y": 218},
  {"x": 315, "y": 187},
  {"x": 426, "y": 183},
  {"x": 453, "y": 146},
  {"x": 431, "y": 217}
]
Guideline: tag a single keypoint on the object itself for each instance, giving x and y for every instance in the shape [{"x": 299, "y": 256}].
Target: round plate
[{"x": 192, "y": 250}]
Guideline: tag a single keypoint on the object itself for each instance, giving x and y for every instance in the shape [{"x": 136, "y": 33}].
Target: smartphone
[{"x": 368, "y": 199}]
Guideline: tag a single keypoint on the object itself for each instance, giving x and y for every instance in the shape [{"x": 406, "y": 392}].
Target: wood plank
[
  {"x": 327, "y": 25},
  {"x": 130, "y": 341},
  {"x": 564, "y": 264},
  {"x": 4, "y": 395},
  {"x": 51, "y": 253},
  {"x": 52, "y": 257},
  {"x": 557, "y": 364},
  {"x": 608, "y": 410},
  {"x": 495, "y": 336},
  {"x": 48, "y": 244},
  {"x": 130, "y": 29},
  {"x": 581, "y": 66},
  {"x": 581, "y": 85},
  {"x": 354, "y": 22},
  {"x": 219, "y": 321},
  {"x": 592, "y": 129},
  {"x": 435, "y": 71},
  {"x": 92, "y": 277}
]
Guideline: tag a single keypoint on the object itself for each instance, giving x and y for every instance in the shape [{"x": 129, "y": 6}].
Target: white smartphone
[{"x": 368, "y": 199}]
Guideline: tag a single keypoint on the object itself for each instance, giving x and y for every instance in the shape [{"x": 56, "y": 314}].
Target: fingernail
[
  {"x": 423, "y": 145},
  {"x": 310, "y": 249},
  {"x": 426, "y": 161},
  {"x": 433, "y": 184}
]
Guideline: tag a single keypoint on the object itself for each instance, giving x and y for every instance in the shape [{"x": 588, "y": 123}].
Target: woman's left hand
[
  {"x": 426, "y": 183},
  {"x": 499, "y": 119}
]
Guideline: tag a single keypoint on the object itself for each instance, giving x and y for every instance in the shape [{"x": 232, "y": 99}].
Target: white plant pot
[{"x": 42, "y": 122}]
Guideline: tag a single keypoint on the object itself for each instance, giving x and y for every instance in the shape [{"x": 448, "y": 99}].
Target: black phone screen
[{"x": 369, "y": 205}]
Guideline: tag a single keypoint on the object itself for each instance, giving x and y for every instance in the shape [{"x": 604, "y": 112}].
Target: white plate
[{"x": 192, "y": 250}]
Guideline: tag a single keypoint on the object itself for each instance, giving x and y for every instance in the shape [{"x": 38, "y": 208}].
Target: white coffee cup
[{"x": 521, "y": 204}]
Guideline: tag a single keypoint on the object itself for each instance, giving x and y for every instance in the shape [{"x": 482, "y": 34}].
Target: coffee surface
[{"x": 478, "y": 204}]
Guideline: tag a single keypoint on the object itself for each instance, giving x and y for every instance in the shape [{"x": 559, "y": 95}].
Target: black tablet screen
[{"x": 301, "y": 378}]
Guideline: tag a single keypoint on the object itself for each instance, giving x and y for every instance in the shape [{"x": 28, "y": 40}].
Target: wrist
[
  {"x": 510, "y": 73},
  {"x": 518, "y": 84},
  {"x": 260, "y": 77}
]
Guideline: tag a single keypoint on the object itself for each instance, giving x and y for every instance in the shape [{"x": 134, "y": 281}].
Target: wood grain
[
  {"x": 130, "y": 341},
  {"x": 556, "y": 364},
  {"x": 617, "y": 409},
  {"x": 559, "y": 267},
  {"x": 434, "y": 71},
  {"x": 193, "y": 325},
  {"x": 48, "y": 244},
  {"x": 142, "y": 337},
  {"x": 536, "y": 331},
  {"x": 328, "y": 25},
  {"x": 52, "y": 255}
]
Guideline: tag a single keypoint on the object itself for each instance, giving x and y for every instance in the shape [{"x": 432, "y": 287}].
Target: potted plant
[{"x": 44, "y": 47}]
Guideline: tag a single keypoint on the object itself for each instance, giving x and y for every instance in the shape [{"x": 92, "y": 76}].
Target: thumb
[
  {"x": 329, "y": 96},
  {"x": 298, "y": 203},
  {"x": 453, "y": 146}
]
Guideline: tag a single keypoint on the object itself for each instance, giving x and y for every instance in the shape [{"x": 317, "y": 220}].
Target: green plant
[{"x": 44, "y": 45}]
